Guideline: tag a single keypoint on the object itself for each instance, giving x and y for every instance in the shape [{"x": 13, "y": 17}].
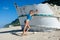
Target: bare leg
[
  {"x": 28, "y": 27},
  {"x": 24, "y": 31}
]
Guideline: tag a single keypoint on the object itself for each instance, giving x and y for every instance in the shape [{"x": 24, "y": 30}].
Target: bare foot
[{"x": 23, "y": 34}]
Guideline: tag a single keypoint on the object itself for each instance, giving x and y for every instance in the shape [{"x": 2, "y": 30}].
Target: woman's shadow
[{"x": 14, "y": 32}]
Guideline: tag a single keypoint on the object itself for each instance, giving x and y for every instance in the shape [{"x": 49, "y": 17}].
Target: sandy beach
[{"x": 16, "y": 35}]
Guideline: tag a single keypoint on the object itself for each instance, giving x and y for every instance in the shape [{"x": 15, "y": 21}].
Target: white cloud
[{"x": 5, "y": 8}]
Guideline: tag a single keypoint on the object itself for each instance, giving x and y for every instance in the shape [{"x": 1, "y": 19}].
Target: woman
[{"x": 29, "y": 17}]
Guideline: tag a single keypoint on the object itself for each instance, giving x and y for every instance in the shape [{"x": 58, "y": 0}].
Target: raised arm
[{"x": 36, "y": 11}]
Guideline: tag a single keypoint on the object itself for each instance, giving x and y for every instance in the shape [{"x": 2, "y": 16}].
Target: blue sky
[{"x": 8, "y": 12}]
